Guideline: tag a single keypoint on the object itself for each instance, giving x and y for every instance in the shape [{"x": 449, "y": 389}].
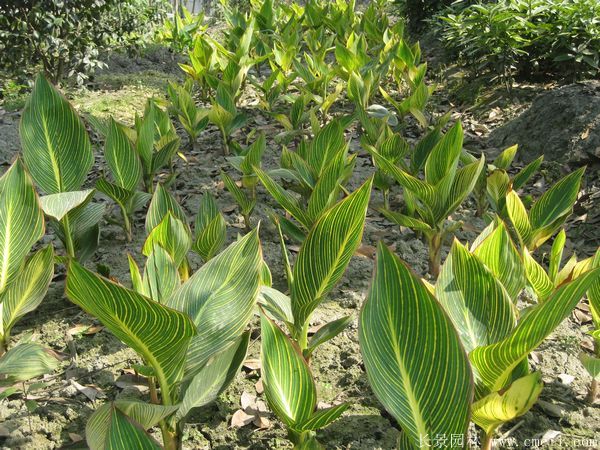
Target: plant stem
[
  {"x": 127, "y": 225},
  {"x": 69, "y": 245},
  {"x": 435, "y": 253},
  {"x": 592, "y": 391},
  {"x": 302, "y": 337},
  {"x": 486, "y": 441},
  {"x": 386, "y": 198}
]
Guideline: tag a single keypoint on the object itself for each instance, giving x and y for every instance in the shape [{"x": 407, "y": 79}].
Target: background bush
[
  {"x": 525, "y": 38},
  {"x": 67, "y": 37}
]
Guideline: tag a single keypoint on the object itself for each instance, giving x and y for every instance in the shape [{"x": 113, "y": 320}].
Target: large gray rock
[{"x": 562, "y": 124}]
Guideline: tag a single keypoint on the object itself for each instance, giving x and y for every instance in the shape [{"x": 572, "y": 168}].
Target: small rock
[{"x": 566, "y": 379}]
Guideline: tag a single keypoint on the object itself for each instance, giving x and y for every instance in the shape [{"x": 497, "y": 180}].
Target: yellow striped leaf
[
  {"x": 498, "y": 252},
  {"x": 326, "y": 252},
  {"x": 220, "y": 298},
  {"x": 462, "y": 284},
  {"x": 162, "y": 202},
  {"x": 493, "y": 364},
  {"x": 500, "y": 407},
  {"x": 415, "y": 362},
  {"x": 121, "y": 157},
  {"x": 536, "y": 275},
  {"x": 287, "y": 381},
  {"x": 160, "y": 335},
  {"x": 26, "y": 361},
  {"x": 171, "y": 234},
  {"x": 56, "y": 147},
  {"x": 28, "y": 289},
  {"x": 21, "y": 221}
]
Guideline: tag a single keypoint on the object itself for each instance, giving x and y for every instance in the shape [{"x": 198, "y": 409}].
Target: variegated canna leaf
[
  {"x": 495, "y": 248},
  {"x": 162, "y": 202},
  {"x": 326, "y": 252},
  {"x": 26, "y": 361},
  {"x": 500, "y": 407},
  {"x": 160, "y": 335},
  {"x": 493, "y": 364},
  {"x": 28, "y": 288},
  {"x": 415, "y": 362},
  {"x": 172, "y": 235},
  {"x": 220, "y": 298},
  {"x": 123, "y": 424},
  {"x": 287, "y": 380},
  {"x": 56, "y": 147},
  {"x": 21, "y": 221},
  {"x": 463, "y": 282},
  {"x": 121, "y": 157},
  {"x": 210, "y": 229}
]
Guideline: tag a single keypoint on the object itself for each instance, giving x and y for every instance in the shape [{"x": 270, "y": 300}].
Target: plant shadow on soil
[{"x": 101, "y": 359}]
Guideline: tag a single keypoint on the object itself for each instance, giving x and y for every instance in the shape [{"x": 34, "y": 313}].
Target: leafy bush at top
[
  {"x": 67, "y": 37},
  {"x": 513, "y": 38}
]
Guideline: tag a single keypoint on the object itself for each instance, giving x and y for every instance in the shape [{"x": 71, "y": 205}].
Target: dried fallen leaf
[
  {"x": 247, "y": 400},
  {"x": 75, "y": 437},
  {"x": 259, "y": 387},
  {"x": 367, "y": 251},
  {"x": 261, "y": 422},
  {"x": 252, "y": 364},
  {"x": 240, "y": 419},
  {"x": 91, "y": 392}
]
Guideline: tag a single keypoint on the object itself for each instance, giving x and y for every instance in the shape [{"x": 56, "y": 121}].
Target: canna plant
[
  {"x": 126, "y": 168},
  {"x": 320, "y": 168},
  {"x": 547, "y": 214},
  {"x": 495, "y": 182},
  {"x": 592, "y": 362},
  {"x": 183, "y": 106},
  {"x": 224, "y": 114},
  {"x": 210, "y": 229},
  {"x": 473, "y": 351},
  {"x": 207, "y": 59},
  {"x": 58, "y": 154},
  {"x": 24, "y": 279},
  {"x": 189, "y": 334},
  {"x": 322, "y": 260},
  {"x": 432, "y": 199}
]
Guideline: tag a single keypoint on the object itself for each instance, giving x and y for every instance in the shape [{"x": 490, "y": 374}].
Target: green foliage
[
  {"x": 58, "y": 154},
  {"x": 182, "y": 334},
  {"x": 512, "y": 38},
  {"x": 24, "y": 280},
  {"x": 496, "y": 337},
  {"x": 183, "y": 106},
  {"x": 67, "y": 39},
  {"x": 441, "y": 191},
  {"x": 180, "y": 30}
]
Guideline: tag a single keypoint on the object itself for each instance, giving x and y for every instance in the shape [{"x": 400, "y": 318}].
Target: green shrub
[
  {"x": 525, "y": 38},
  {"x": 67, "y": 37}
]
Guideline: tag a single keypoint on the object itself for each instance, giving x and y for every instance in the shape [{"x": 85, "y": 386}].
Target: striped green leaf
[
  {"x": 160, "y": 335},
  {"x": 27, "y": 290},
  {"x": 593, "y": 293},
  {"x": 58, "y": 205},
  {"x": 246, "y": 203},
  {"x": 443, "y": 158},
  {"x": 287, "y": 380},
  {"x": 462, "y": 185},
  {"x": 162, "y": 202},
  {"x": 323, "y": 417},
  {"x": 121, "y": 157},
  {"x": 498, "y": 252},
  {"x": 56, "y": 147},
  {"x": 407, "y": 221},
  {"x": 21, "y": 221},
  {"x": 215, "y": 376},
  {"x": 220, "y": 298},
  {"x": 84, "y": 228},
  {"x": 276, "y": 304},
  {"x": 591, "y": 364},
  {"x": 326, "y": 252},
  {"x": 325, "y": 146},
  {"x": 171, "y": 234},
  {"x": 287, "y": 201},
  {"x": 26, "y": 361},
  {"x": 210, "y": 229},
  {"x": 538, "y": 278},
  {"x": 103, "y": 430},
  {"x": 463, "y": 282},
  {"x": 526, "y": 173},
  {"x": 519, "y": 218},
  {"x": 500, "y": 407},
  {"x": 161, "y": 278},
  {"x": 327, "y": 332},
  {"x": 493, "y": 364},
  {"x": 505, "y": 159},
  {"x": 415, "y": 362},
  {"x": 556, "y": 254}
]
